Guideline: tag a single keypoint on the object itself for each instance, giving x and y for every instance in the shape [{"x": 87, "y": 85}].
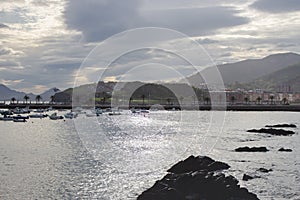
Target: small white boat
[
  {"x": 38, "y": 116},
  {"x": 6, "y": 112},
  {"x": 115, "y": 113},
  {"x": 54, "y": 116},
  {"x": 99, "y": 112},
  {"x": 19, "y": 120},
  {"x": 71, "y": 115},
  {"x": 90, "y": 115},
  {"x": 21, "y": 111},
  {"x": 20, "y": 117},
  {"x": 6, "y": 118},
  {"x": 145, "y": 111},
  {"x": 39, "y": 111}
]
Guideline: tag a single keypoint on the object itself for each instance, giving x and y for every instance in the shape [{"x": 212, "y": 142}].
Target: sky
[{"x": 44, "y": 43}]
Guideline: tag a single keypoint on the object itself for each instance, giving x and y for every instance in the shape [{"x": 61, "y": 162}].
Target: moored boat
[
  {"x": 38, "y": 116},
  {"x": 6, "y": 118},
  {"x": 20, "y": 117},
  {"x": 71, "y": 115},
  {"x": 54, "y": 116},
  {"x": 19, "y": 120}
]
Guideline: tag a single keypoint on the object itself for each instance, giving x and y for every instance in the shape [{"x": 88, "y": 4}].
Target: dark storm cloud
[
  {"x": 277, "y": 6},
  {"x": 100, "y": 19}
]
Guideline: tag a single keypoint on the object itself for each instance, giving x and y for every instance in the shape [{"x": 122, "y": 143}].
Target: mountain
[
  {"x": 46, "y": 96},
  {"x": 284, "y": 80},
  {"x": 7, "y": 94},
  {"x": 250, "y": 70}
]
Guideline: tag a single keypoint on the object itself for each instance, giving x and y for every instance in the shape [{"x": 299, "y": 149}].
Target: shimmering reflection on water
[{"x": 45, "y": 159}]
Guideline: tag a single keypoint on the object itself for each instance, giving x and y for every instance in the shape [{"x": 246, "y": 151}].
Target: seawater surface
[{"x": 118, "y": 157}]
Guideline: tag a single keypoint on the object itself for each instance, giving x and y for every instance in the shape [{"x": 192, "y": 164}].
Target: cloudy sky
[{"x": 44, "y": 42}]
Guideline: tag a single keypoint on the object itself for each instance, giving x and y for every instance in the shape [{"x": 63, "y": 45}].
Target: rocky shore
[
  {"x": 272, "y": 131},
  {"x": 197, "y": 178}
]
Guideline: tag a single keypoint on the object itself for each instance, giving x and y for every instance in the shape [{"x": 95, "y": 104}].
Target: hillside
[
  {"x": 86, "y": 93},
  {"x": 282, "y": 80},
  {"x": 250, "y": 70},
  {"x": 7, "y": 93},
  {"x": 46, "y": 96}
]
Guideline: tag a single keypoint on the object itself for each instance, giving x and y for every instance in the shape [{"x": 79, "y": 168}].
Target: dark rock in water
[
  {"x": 251, "y": 149},
  {"x": 264, "y": 170},
  {"x": 283, "y": 149},
  {"x": 197, "y": 178},
  {"x": 271, "y": 131},
  {"x": 247, "y": 177},
  {"x": 282, "y": 126},
  {"x": 193, "y": 163}
]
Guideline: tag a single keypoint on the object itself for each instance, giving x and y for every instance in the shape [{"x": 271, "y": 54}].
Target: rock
[
  {"x": 247, "y": 177},
  {"x": 251, "y": 149},
  {"x": 282, "y": 126},
  {"x": 193, "y": 163},
  {"x": 271, "y": 131},
  {"x": 286, "y": 150},
  {"x": 197, "y": 178},
  {"x": 264, "y": 170}
]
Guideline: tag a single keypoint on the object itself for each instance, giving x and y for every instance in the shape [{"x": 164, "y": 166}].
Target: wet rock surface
[
  {"x": 251, "y": 149},
  {"x": 264, "y": 170},
  {"x": 271, "y": 131},
  {"x": 286, "y": 150},
  {"x": 282, "y": 126},
  {"x": 247, "y": 177},
  {"x": 197, "y": 178}
]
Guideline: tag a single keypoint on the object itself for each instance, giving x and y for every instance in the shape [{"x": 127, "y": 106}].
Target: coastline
[{"x": 251, "y": 107}]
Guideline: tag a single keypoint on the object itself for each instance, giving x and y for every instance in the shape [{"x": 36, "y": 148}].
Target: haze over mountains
[
  {"x": 249, "y": 70},
  {"x": 7, "y": 93}
]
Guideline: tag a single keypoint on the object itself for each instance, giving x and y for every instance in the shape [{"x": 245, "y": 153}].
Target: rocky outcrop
[
  {"x": 197, "y": 178},
  {"x": 264, "y": 170},
  {"x": 282, "y": 126},
  {"x": 251, "y": 149},
  {"x": 286, "y": 150},
  {"x": 192, "y": 164},
  {"x": 247, "y": 177},
  {"x": 271, "y": 131}
]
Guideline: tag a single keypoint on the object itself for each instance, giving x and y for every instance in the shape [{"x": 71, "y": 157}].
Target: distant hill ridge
[
  {"x": 284, "y": 80},
  {"x": 7, "y": 93},
  {"x": 249, "y": 70}
]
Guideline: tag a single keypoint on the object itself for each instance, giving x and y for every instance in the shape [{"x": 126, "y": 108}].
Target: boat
[
  {"x": 114, "y": 113},
  {"x": 54, "y": 116},
  {"x": 20, "y": 117},
  {"x": 71, "y": 115},
  {"x": 19, "y": 120},
  {"x": 99, "y": 112},
  {"x": 6, "y": 118},
  {"x": 91, "y": 114},
  {"x": 39, "y": 111},
  {"x": 144, "y": 111},
  {"x": 21, "y": 111},
  {"x": 38, "y": 116},
  {"x": 6, "y": 112}
]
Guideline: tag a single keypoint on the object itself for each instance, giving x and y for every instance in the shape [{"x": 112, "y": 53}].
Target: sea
[{"x": 120, "y": 156}]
